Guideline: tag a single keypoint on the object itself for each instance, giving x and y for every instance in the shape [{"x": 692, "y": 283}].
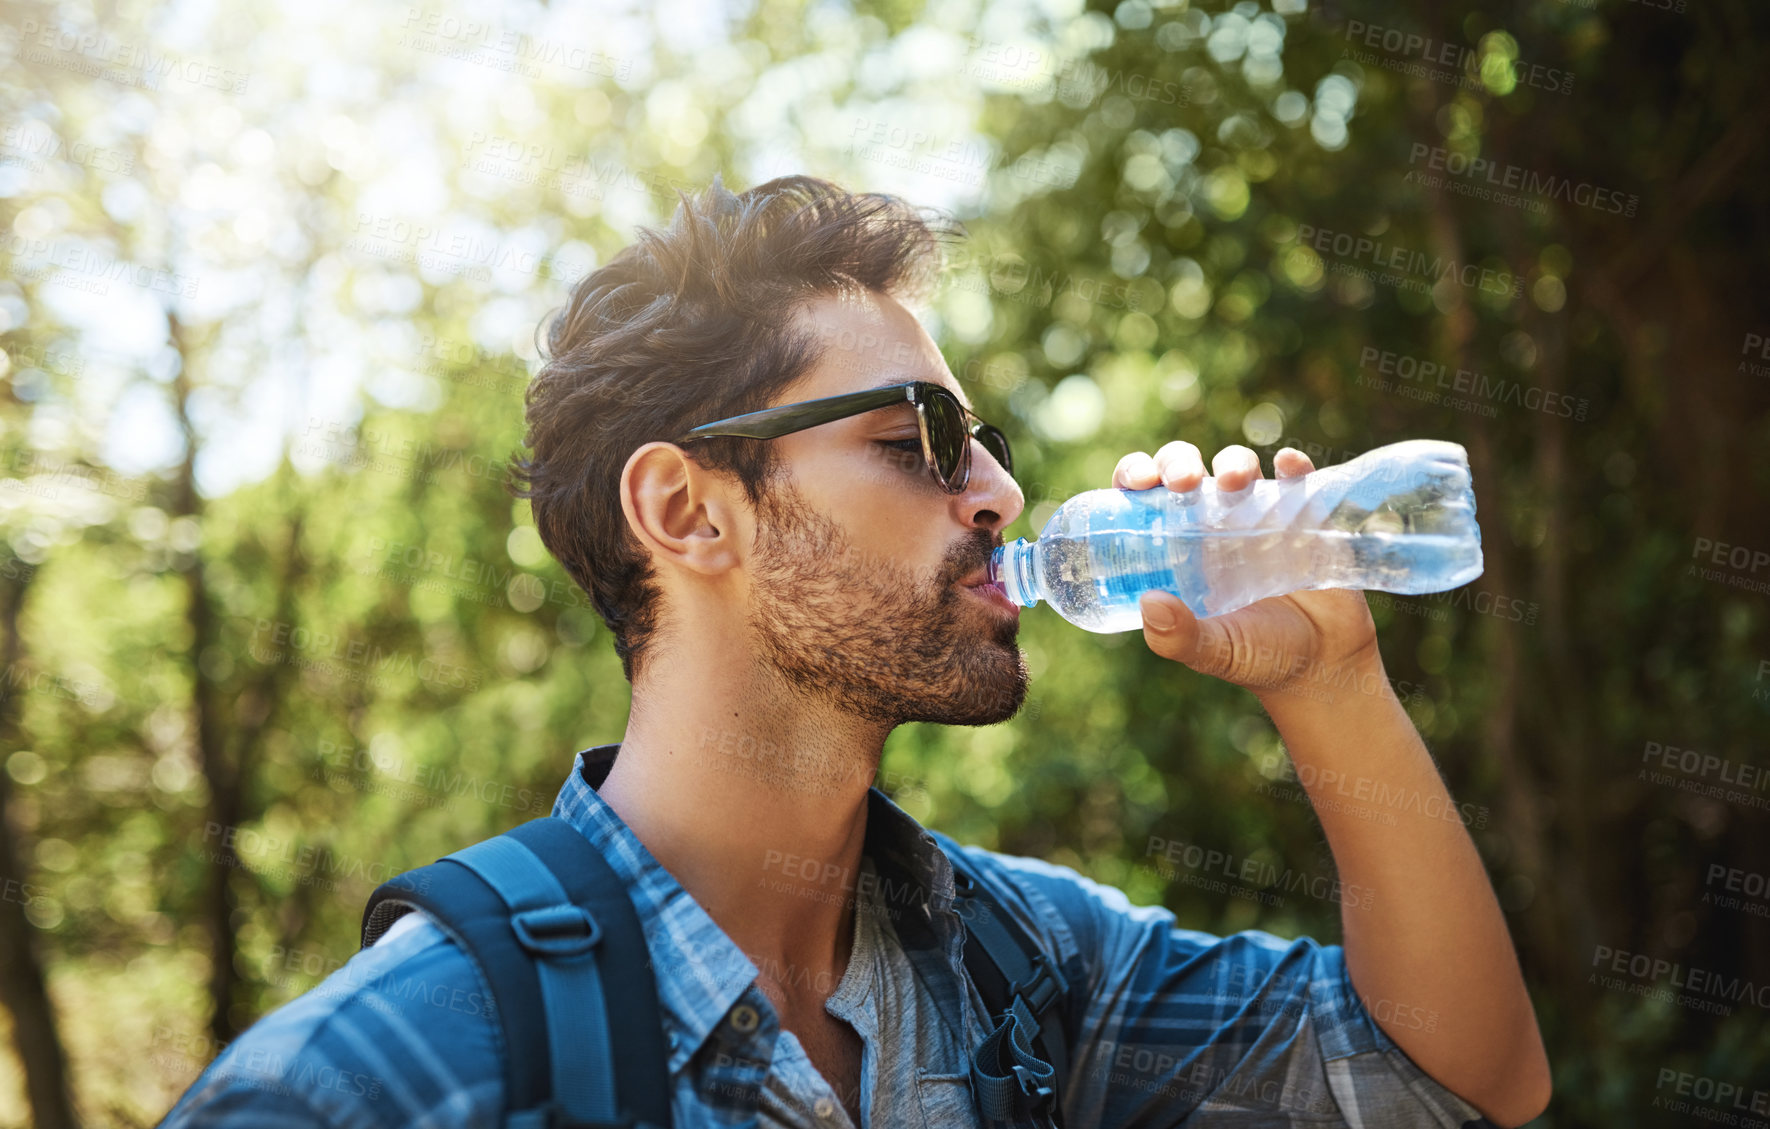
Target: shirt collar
[{"x": 707, "y": 972}]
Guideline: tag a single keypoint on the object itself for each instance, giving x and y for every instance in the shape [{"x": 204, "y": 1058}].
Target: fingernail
[{"x": 1158, "y": 615}]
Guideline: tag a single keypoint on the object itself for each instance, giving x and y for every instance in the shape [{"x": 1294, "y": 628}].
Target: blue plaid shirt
[{"x": 1171, "y": 1023}]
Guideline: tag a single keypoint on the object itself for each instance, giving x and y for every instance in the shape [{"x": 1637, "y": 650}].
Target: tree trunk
[
  {"x": 22, "y": 987},
  {"x": 210, "y": 728}
]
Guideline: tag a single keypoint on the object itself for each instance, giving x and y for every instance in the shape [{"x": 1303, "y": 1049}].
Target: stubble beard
[{"x": 872, "y": 636}]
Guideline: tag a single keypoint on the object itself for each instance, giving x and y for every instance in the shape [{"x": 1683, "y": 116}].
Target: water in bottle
[{"x": 1400, "y": 518}]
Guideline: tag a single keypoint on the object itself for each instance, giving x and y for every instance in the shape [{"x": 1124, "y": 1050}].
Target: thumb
[
  {"x": 1169, "y": 627},
  {"x": 1172, "y": 630}
]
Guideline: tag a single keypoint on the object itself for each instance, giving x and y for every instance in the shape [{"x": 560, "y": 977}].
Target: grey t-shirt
[{"x": 914, "y": 1067}]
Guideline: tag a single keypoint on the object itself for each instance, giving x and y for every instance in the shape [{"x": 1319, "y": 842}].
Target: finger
[
  {"x": 1235, "y": 467},
  {"x": 1173, "y": 632},
  {"x": 1181, "y": 464},
  {"x": 1169, "y": 627},
  {"x": 1136, "y": 471},
  {"x": 1291, "y": 463}
]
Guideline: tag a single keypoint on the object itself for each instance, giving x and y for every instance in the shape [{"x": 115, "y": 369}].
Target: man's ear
[{"x": 681, "y": 511}]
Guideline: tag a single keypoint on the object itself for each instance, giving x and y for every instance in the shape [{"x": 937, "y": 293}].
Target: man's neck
[{"x": 755, "y": 799}]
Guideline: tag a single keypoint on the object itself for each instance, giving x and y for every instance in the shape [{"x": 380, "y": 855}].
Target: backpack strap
[
  {"x": 472, "y": 915},
  {"x": 1018, "y": 1070},
  {"x": 552, "y": 930}
]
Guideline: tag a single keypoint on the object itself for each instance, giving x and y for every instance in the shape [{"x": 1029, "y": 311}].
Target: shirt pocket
[{"x": 946, "y": 1101}]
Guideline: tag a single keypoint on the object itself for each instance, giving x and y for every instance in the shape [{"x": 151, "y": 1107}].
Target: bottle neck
[{"x": 1011, "y": 566}]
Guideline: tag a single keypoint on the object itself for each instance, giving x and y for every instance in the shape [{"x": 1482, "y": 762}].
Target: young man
[{"x": 781, "y": 600}]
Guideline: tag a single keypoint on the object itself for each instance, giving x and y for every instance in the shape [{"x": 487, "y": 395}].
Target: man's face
[{"x": 861, "y": 556}]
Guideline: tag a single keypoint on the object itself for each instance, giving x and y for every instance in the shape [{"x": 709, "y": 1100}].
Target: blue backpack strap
[
  {"x": 552, "y": 929},
  {"x": 640, "y": 1053},
  {"x": 561, "y": 938},
  {"x": 1017, "y": 1071},
  {"x": 477, "y": 920}
]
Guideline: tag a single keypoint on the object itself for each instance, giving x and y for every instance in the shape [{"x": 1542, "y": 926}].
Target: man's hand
[
  {"x": 1267, "y": 646},
  {"x": 1430, "y": 893}
]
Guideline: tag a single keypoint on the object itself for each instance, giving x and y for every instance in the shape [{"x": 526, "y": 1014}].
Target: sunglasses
[{"x": 947, "y": 426}]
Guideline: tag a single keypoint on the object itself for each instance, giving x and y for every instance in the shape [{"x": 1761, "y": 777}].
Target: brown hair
[{"x": 683, "y": 327}]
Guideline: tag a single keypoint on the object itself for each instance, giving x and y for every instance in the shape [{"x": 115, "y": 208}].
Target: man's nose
[{"x": 992, "y": 499}]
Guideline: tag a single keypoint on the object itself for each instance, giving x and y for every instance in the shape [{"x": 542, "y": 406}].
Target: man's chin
[
  {"x": 998, "y": 629},
  {"x": 987, "y": 700}
]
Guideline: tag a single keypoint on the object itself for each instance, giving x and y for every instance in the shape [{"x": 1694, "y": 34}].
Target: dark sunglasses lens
[
  {"x": 947, "y": 437},
  {"x": 997, "y": 445}
]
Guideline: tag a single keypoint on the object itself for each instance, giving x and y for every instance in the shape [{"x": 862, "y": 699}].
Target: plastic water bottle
[{"x": 1400, "y": 518}]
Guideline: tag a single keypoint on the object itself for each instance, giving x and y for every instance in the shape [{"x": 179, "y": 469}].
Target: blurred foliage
[{"x": 268, "y": 578}]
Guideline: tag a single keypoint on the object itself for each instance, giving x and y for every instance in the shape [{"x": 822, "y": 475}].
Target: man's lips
[
  {"x": 977, "y": 576},
  {"x": 983, "y": 588}
]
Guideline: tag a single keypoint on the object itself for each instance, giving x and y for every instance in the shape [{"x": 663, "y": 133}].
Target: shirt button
[
  {"x": 744, "y": 1019},
  {"x": 824, "y": 1108}
]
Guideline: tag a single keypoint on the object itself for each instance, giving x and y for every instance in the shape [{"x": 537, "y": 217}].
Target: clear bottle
[{"x": 1400, "y": 518}]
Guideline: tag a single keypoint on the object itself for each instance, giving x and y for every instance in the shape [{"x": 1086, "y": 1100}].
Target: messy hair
[{"x": 684, "y": 326}]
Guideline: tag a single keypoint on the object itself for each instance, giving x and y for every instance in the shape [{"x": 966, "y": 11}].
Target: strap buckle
[
  {"x": 1042, "y": 985},
  {"x": 557, "y": 931},
  {"x": 1036, "y": 1093}
]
